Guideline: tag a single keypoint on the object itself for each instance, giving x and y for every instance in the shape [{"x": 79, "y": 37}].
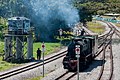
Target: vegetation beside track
[
  {"x": 36, "y": 78},
  {"x": 117, "y": 24},
  {"x": 50, "y": 48},
  {"x": 6, "y": 65},
  {"x": 96, "y": 27}
]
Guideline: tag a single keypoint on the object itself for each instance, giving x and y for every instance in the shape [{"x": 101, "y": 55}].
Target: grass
[
  {"x": 118, "y": 18},
  {"x": 36, "y": 78},
  {"x": 50, "y": 47},
  {"x": 96, "y": 27},
  {"x": 1, "y": 47},
  {"x": 5, "y": 65},
  {"x": 117, "y": 24}
]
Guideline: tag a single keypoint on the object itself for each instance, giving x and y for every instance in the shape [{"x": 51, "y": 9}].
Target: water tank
[{"x": 18, "y": 25}]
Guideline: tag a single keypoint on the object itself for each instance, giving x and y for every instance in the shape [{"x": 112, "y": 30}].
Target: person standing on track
[{"x": 38, "y": 54}]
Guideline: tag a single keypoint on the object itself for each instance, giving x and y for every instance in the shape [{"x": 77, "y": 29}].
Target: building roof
[
  {"x": 112, "y": 14},
  {"x": 18, "y": 18}
]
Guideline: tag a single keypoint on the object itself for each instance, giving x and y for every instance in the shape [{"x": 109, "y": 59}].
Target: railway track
[
  {"x": 117, "y": 32},
  {"x": 48, "y": 60},
  {"x": 106, "y": 40},
  {"x": 66, "y": 76},
  {"x": 103, "y": 40},
  {"x": 31, "y": 66},
  {"x": 104, "y": 69}
]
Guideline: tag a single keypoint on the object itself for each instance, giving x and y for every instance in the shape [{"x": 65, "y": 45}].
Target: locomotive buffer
[{"x": 77, "y": 51}]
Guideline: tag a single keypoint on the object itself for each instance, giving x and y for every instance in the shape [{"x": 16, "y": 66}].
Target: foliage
[
  {"x": 96, "y": 27},
  {"x": 9, "y": 8},
  {"x": 86, "y": 8},
  {"x": 94, "y": 7},
  {"x": 1, "y": 47}
]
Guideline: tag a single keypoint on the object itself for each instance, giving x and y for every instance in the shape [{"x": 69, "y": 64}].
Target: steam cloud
[{"x": 47, "y": 10}]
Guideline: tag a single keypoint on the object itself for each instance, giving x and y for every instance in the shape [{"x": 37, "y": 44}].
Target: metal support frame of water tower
[{"x": 18, "y": 30}]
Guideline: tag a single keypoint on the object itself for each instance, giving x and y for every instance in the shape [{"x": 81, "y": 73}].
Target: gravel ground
[
  {"x": 116, "y": 58},
  {"x": 53, "y": 75}
]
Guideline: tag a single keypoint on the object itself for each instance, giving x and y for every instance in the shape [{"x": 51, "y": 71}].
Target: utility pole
[
  {"x": 77, "y": 50},
  {"x": 43, "y": 50}
]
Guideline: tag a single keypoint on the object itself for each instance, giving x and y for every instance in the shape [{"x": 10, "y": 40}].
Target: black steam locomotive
[{"x": 87, "y": 47}]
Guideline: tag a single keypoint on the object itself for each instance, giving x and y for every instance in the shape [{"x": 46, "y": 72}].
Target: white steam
[{"x": 52, "y": 9}]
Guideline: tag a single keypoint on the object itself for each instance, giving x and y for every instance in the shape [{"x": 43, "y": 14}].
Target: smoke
[
  {"x": 46, "y": 13},
  {"x": 48, "y": 9}
]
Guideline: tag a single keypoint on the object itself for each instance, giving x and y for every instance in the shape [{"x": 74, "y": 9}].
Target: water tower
[{"x": 19, "y": 35}]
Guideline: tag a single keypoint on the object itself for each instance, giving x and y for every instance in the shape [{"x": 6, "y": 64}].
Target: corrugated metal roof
[
  {"x": 112, "y": 14},
  {"x": 18, "y": 18}
]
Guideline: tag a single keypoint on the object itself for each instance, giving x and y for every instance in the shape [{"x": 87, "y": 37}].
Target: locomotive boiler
[{"x": 87, "y": 45}]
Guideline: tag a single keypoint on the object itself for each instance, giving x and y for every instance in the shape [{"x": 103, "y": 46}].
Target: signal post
[
  {"x": 60, "y": 33},
  {"x": 77, "y": 51},
  {"x": 43, "y": 50}
]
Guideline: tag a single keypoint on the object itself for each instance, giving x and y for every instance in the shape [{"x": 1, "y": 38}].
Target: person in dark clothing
[
  {"x": 82, "y": 32},
  {"x": 38, "y": 54}
]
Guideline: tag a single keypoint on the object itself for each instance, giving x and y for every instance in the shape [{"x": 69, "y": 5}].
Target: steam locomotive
[{"x": 87, "y": 51}]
